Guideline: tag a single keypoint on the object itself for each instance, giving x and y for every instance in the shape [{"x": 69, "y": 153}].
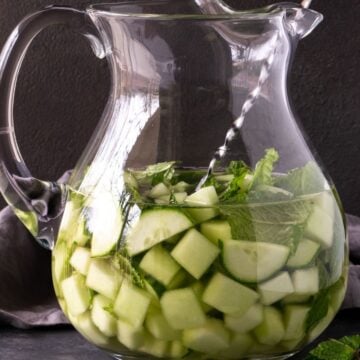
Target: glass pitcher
[{"x": 198, "y": 223}]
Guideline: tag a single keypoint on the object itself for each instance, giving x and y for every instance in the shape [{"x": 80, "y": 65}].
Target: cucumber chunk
[
  {"x": 304, "y": 255},
  {"x": 103, "y": 278},
  {"x": 238, "y": 347},
  {"x": 80, "y": 260},
  {"x": 228, "y": 296},
  {"x": 158, "y": 263},
  {"x": 181, "y": 186},
  {"x": 306, "y": 281},
  {"x": 155, "y": 226},
  {"x": 132, "y": 304},
  {"x": 157, "y": 348},
  {"x": 133, "y": 338},
  {"x": 204, "y": 198},
  {"x": 320, "y": 228},
  {"x": 209, "y": 338},
  {"x": 271, "y": 331},
  {"x": 254, "y": 261},
  {"x": 81, "y": 236},
  {"x": 177, "y": 350},
  {"x": 101, "y": 317},
  {"x": 158, "y": 326},
  {"x": 195, "y": 253},
  {"x": 89, "y": 330},
  {"x": 295, "y": 318},
  {"x": 76, "y": 294},
  {"x": 276, "y": 288},
  {"x": 182, "y": 309},
  {"x": 245, "y": 321},
  {"x": 159, "y": 190},
  {"x": 216, "y": 230},
  {"x": 105, "y": 224},
  {"x": 199, "y": 288},
  {"x": 60, "y": 258}
]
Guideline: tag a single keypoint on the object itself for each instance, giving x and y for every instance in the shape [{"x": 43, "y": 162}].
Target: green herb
[
  {"x": 319, "y": 309},
  {"x": 125, "y": 266},
  {"x": 347, "y": 348},
  {"x": 264, "y": 168},
  {"x": 305, "y": 180}
]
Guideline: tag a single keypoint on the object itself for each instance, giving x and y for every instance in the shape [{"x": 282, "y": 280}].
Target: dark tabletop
[{"x": 66, "y": 344}]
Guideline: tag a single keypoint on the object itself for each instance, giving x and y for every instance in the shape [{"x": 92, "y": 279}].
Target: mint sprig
[{"x": 346, "y": 348}]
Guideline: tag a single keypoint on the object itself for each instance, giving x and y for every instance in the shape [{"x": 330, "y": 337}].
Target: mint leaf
[
  {"x": 333, "y": 349},
  {"x": 305, "y": 180},
  {"x": 352, "y": 341},
  {"x": 279, "y": 222},
  {"x": 319, "y": 309},
  {"x": 264, "y": 168}
]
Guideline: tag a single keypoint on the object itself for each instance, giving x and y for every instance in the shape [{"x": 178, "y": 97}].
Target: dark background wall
[{"x": 63, "y": 88}]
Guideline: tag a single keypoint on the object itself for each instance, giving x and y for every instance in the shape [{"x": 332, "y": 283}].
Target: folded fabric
[{"x": 26, "y": 293}]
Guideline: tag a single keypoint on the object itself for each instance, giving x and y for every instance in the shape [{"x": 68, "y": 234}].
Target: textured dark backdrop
[{"x": 63, "y": 88}]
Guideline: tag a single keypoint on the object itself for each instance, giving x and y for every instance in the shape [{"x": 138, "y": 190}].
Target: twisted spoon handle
[{"x": 306, "y": 3}]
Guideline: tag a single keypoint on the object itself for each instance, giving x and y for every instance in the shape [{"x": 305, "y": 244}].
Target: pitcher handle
[{"x": 38, "y": 204}]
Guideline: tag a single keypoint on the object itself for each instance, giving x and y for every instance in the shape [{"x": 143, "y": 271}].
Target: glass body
[{"x": 158, "y": 255}]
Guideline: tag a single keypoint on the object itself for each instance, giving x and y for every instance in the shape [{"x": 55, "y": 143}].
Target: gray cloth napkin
[{"x": 26, "y": 293}]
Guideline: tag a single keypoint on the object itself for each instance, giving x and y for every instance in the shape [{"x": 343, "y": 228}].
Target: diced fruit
[
  {"x": 89, "y": 330},
  {"x": 61, "y": 256},
  {"x": 102, "y": 317},
  {"x": 177, "y": 350},
  {"x": 182, "y": 309},
  {"x": 155, "y": 347},
  {"x": 306, "y": 281},
  {"x": 246, "y": 321},
  {"x": 326, "y": 202},
  {"x": 105, "y": 223},
  {"x": 80, "y": 236},
  {"x": 103, "y": 278},
  {"x": 228, "y": 296},
  {"x": 158, "y": 326},
  {"x": 206, "y": 198},
  {"x": 80, "y": 260},
  {"x": 159, "y": 190},
  {"x": 76, "y": 294},
  {"x": 155, "y": 226},
  {"x": 133, "y": 338},
  {"x": 238, "y": 347},
  {"x": 295, "y": 318},
  {"x": 216, "y": 230},
  {"x": 69, "y": 221},
  {"x": 158, "y": 263},
  {"x": 320, "y": 227},
  {"x": 271, "y": 331},
  {"x": 276, "y": 288},
  {"x": 181, "y": 186},
  {"x": 321, "y": 325},
  {"x": 209, "y": 338},
  {"x": 179, "y": 198},
  {"x": 131, "y": 304},
  {"x": 199, "y": 288},
  {"x": 304, "y": 255},
  {"x": 195, "y": 253},
  {"x": 296, "y": 299},
  {"x": 253, "y": 262}
]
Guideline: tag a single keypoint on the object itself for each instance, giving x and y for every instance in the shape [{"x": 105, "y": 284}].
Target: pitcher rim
[{"x": 262, "y": 13}]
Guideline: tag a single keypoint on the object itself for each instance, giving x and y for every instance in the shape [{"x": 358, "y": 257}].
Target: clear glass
[{"x": 199, "y": 223}]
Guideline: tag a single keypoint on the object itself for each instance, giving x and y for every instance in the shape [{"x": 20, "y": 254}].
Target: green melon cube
[
  {"x": 60, "y": 257},
  {"x": 271, "y": 331},
  {"x": 159, "y": 190},
  {"x": 131, "y": 304},
  {"x": 238, "y": 347},
  {"x": 182, "y": 309},
  {"x": 159, "y": 327},
  {"x": 158, "y": 263},
  {"x": 229, "y": 296},
  {"x": 276, "y": 288},
  {"x": 195, "y": 253},
  {"x": 76, "y": 294},
  {"x": 216, "y": 230},
  {"x": 80, "y": 260},
  {"x": 306, "y": 281},
  {"x": 177, "y": 350},
  {"x": 155, "y": 347},
  {"x": 209, "y": 338},
  {"x": 89, "y": 330},
  {"x": 295, "y": 317},
  {"x": 102, "y": 317},
  {"x": 245, "y": 322},
  {"x": 103, "y": 278},
  {"x": 133, "y": 338}
]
